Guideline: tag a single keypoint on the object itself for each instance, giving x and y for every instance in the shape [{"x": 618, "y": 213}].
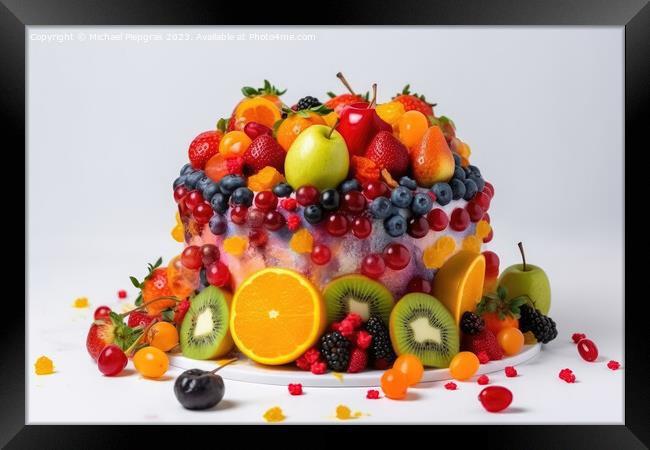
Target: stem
[
  {"x": 224, "y": 365},
  {"x": 374, "y": 96},
  {"x": 523, "y": 255},
  {"x": 145, "y": 331},
  {"x": 345, "y": 83},
  {"x": 329, "y": 135},
  {"x": 144, "y": 305}
]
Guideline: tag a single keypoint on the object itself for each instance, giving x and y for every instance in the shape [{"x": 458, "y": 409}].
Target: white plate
[{"x": 250, "y": 372}]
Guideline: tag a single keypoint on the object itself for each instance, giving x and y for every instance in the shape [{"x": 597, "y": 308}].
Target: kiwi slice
[
  {"x": 421, "y": 325},
  {"x": 357, "y": 294},
  {"x": 204, "y": 331}
]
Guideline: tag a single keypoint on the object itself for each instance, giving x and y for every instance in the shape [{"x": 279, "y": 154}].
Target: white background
[{"x": 109, "y": 124}]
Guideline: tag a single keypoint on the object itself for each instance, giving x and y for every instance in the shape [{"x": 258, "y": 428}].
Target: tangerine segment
[
  {"x": 277, "y": 314},
  {"x": 257, "y": 109}
]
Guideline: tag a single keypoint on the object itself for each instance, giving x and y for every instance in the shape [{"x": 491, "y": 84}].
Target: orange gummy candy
[
  {"x": 265, "y": 179},
  {"x": 44, "y": 366}
]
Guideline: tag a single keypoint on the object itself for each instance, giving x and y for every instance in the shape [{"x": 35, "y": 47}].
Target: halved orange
[
  {"x": 256, "y": 109},
  {"x": 295, "y": 124},
  {"x": 276, "y": 315}
]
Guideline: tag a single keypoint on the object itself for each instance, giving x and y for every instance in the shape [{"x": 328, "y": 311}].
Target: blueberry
[
  {"x": 443, "y": 193},
  {"x": 210, "y": 190},
  {"x": 186, "y": 169},
  {"x": 313, "y": 214},
  {"x": 219, "y": 203},
  {"x": 178, "y": 181},
  {"x": 242, "y": 196},
  {"x": 193, "y": 178},
  {"x": 381, "y": 208},
  {"x": 422, "y": 204},
  {"x": 401, "y": 197},
  {"x": 218, "y": 224},
  {"x": 457, "y": 188},
  {"x": 329, "y": 199},
  {"x": 459, "y": 173},
  {"x": 480, "y": 182},
  {"x": 350, "y": 185},
  {"x": 470, "y": 189},
  {"x": 203, "y": 182},
  {"x": 456, "y": 158},
  {"x": 408, "y": 182},
  {"x": 231, "y": 182},
  {"x": 282, "y": 190},
  {"x": 203, "y": 279},
  {"x": 474, "y": 170},
  {"x": 468, "y": 172},
  {"x": 395, "y": 225}
]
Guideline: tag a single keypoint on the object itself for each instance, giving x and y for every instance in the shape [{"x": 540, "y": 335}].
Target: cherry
[
  {"x": 258, "y": 237},
  {"x": 437, "y": 219},
  {"x": 354, "y": 202},
  {"x": 418, "y": 227},
  {"x": 191, "y": 257},
  {"x": 495, "y": 398},
  {"x": 373, "y": 266},
  {"x": 266, "y": 201},
  {"x": 374, "y": 189},
  {"x": 256, "y": 218},
  {"x": 396, "y": 256},
  {"x": 202, "y": 212},
  {"x": 459, "y": 219},
  {"x": 491, "y": 264},
  {"x": 483, "y": 200},
  {"x": 273, "y": 221},
  {"x": 209, "y": 254},
  {"x": 192, "y": 199},
  {"x": 361, "y": 227},
  {"x": 217, "y": 274},
  {"x": 337, "y": 224},
  {"x": 419, "y": 284},
  {"x": 101, "y": 312},
  {"x": 238, "y": 215},
  {"x": 307, "y": 195},
  {"x": 321, "y": 254},
  {"x": 588, "y": 350},
  {"x": 475, "y": 211},
  {"x": 111, "y": 360},
  {"x": 180, "y": 192}
]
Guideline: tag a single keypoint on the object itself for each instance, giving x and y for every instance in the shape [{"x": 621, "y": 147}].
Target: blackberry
[
  {"x": 543, "y": 327},
  {"x": 470, "y": 323},
  {"x": 380, "y": 349},
  {"x": 307, "y": 103},
  {"x": 336, "y": 350}
]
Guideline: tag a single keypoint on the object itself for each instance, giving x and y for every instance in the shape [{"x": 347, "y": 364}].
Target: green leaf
[
  {"x": 502, "y": 292},
  {"x": 406, "y": 90},
  {"x": 249, "y": 91},
  {"x": 276, "y": 125},
  {"x": 491, "y": 307},
  {"x": 138, "y": 301},
  {"x": 168, "y": 315},
  {"x": 330, "y": 94},
  {"x": 222, "y": 124},
  {"x": 303, "y": 113},
  {"x": 321, "y": 109},
  {"x": 135, "y": 282}
]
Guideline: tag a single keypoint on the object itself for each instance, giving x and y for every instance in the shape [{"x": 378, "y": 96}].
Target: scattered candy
[
  {"x": 344, "y": 413},
  {"x": 372, "y": 394},
  {"x": 483, "y": 379},
  {"x": 577, "y": 337},
  {"x": 435, "y": 255},
  {"x": 295, "y": 389},
  {"x": 588, "y": 350},
  {"x": 483, "y": 229},
  {"x": 43, "y": 366},
  {"x": 394, "y": 384},
  {"x": 81, "y": 302},
  {"x": 495, "y": 398},
  {"x": 510, "y": 372},
  {"x": 274, "y": 414},
  {"x": 451, "y": 386},
  {"x": 121, "y": 294},
  {"x": 567, "y": 375},
  {"x": 613, "y": 365},
  {"x": 302, "y": 241}
]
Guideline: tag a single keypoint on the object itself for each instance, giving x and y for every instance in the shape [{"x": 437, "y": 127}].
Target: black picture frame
[{"x": 634, "y": 15}]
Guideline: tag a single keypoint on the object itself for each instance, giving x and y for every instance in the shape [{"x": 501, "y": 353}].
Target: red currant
[
  {"x": 354, "y": 202},
  {"x": 217, "y": 274},
  {"x": 418, "y": 227},
  {"x": 475, "y": 211},
  {"x": 111, "y": 360},
  {"x": 361, "y": 227},
  {"x": 419, "y": 284},
  {"x": 337, "y": 224},
  {"x": 192, "y": 199},
  {"x": 321, "y": 254},
  {"x": 258, "y": 237},
  {"x": 374, "y": 189},
  {"x": 491, "y": 264},
  {"x": 588, "y": 350},
  {"x": 256, "y": 218},
  {"x": 209, "y": 254},
  {"x": 274, "y": 220},
  {"x": 396, "y": 256},
  {"x": 102, "y": 312},
  {"x": 495, "y": 398},
  {"x": 266, "y": 201},
  {"x": 459, "y": 219},
  {"x": 307, "y": 195},
  {"x": 373, "y": 266},
  {"x": 483, "y": 200},
  {"x": 437, "y": 219},
  {"x": 202, "y": 212},
  {"x": 179, "y": 193},
  {"x": 191, "y": 257},
  {"x": 238, "y": 214}
]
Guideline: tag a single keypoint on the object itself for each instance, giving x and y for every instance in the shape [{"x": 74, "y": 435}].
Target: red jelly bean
[
  {"x": 588, "y": 350},
  {"x": 495, "y": 398}
]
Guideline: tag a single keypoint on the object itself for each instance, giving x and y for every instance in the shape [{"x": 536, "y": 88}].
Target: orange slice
[
  {"x": 276, "y": 315},
  {"x": 459, "y": 282},
  {"x": 257, "y": 109}
]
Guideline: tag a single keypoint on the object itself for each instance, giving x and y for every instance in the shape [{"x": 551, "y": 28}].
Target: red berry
[
  {"x": 191, "y": 257},
  {"x": 238, "y": 215},
  {"x": 289, "y": 204},
  {"x": 181, "y": 310},
  {"x": 318, "y": 368},
  {"x": 483, "y": 357},
  {"x": 264, "y": 151},
  {"x": 373, "y": 266},
  {"x": 358, "y": 360},
  {"x": 451, "y": 386},
  {"x": 312, "y": 355},
  {"x": 437, "y": 219},
  {"x": 258, "y": 237},
  {"x": 577, "y": 337},
  {"x": 217, "y": 274},
  {"x": 372, "y": 394},
  {"x": 293, "y": 222},
  {"x": 337, "y": 224},
  {"x": 491, "y": 264},
  {"x": 295, "y": 389},
  {"x": 475, "y": 211},
  {"x": 307, "y": 195},
  {"x": 101, "y": 312},
  {"x": 302, "y": 363},
  {"x": 353, "y": 202},
  {"x": 613, "y": 365},
  {"x": 489, "y": 237},
  {"x": 180, "y": 192},
  {"x": 567, "y": 375},
  {"x": 361, "y": 227},
  {"x": 209, "y": 254},
  {"x": 483, "y": 200},
  {"x": 419, "y": 284},
  {"x": 235, "y": 165},
  {"x": 266, "y": 200},
  {"x": 489, "y": 189},
  {"x": 510, "y": 372},
  {"x": 273, "y": 221},
  {"x": 254, "y": 129},
  {"x": 363, "y": 340},
  {"x": 588, "y": 350},
  {"x": 346, "y": 329},
  {"x": 495, "y": 398},
  {"x": 483, "y": 380},
  {"x": 418, "y": 227},
  {"x": 321, "y": 254},
  {"x": 396, "y": 256},
  {"x": 459, "y": 220},
  {"x": 121, "y": 294},
  {"x": 204, "y": 147},
  {"x": 355, "y": 319},
  {"x": 374, "y": 189},
  {"x": 111, "y": 360},
  {"x": 255, "y": 217},
  {"x": 192, "y": 199},
  {"x": 202, "y": 213}
]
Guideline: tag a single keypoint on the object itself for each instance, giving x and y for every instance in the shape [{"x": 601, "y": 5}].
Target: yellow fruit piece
[
  {"x": 459, "y": 282},
  {"x": 178, "y": 233},
  {"x": 235, "y": 245},
  {"x": 302, "y": 241},
  {"x": 330, "y": 119},
  {"x": 472, "y": 244},
  {"x": 483, "y": 228},
  {"x": 274, "y": 414},
  {"x": 43, "y": 366},
  {"x": 265, "y": 179},
  {"x": 256, "y": 109},
  {"x": 435, "y": 255},
  {"x": 390, "y": 112},
  {"x": 81, "y": 302}
]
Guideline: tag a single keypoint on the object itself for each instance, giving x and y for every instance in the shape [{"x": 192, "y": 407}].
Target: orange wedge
[
  {"x": 257, "y": 109},
  {"x": 459, "y": 282},
  {"x": 276, "y": 315}
]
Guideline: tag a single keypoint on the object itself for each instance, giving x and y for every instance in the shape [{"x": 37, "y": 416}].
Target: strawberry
[
  {"x": 337, "y": 102},
  {"x": 140, "y": 319},
  {"x": 264, "y": 151},
  {"x": 414, "y": 102},
  {"x": 388, "y": 153},
  {"x": 204, "y": 147},
  {"x": 110, "y": 330},
  {"x": 358, "y": 360},
  {"x": 180, "y": 311},
  {"x": 485, "y": 341}
]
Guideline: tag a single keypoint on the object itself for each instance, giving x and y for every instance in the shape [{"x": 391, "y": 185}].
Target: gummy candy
[
  {"x": 364, "y": 169},
  {"x": 235, "y": 245},
  {"x": 265, "y": 179},
  {"x": 472, "y": 244},
  {"x": 44, "y": 366},
  {"x": 435, "y": 255},
  {"x": 274, "y": 414},
  {"x": 302, "y": 241},
  {"x": 344, "y": 413},
  {"x": 81, "y": 302},
  {"x": 483, "y": 229}
]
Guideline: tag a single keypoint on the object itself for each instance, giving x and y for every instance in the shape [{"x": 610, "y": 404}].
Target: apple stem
[
  {"x": 523, "y": 255},
  {"x": 374, "y": 96},
  {"x": 345, "y": 82},
  {"x": 230, "y": 361},
  {"x": 329, "y": 135}
]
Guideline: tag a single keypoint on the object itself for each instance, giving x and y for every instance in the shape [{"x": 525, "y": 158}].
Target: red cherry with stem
[
  {"x": 217, "y": 274},
  {"x": 192, "y": 199},
  {"x": 273, "y": 221},
  {"x": 202, "y": 212},
  {"x": 491, "y": 264},
  {"x": 374, "y": 189},
  {"x": 361, "y": 227},
  {"x": 307, "y": 195},
  {"x": 209, "y": 254},
  {"x": 258, "y": 237},
  {"x": 475, "y": 211},
  {"x": 588, "y": 350},
  {"x": 321, "y": 254},
  {"x": 101, "y": 312},
  {"x": 256, "y": 217},
  {"x": 373, "y": 266},
  {"x": 266, "y": 201},
  {"x": 353, "y": 202},
  {"x": 238, "y": 215},
  {"x": 419, "y": 284},
  {"x": 254, "y": 129},
  {"x": 396, "y": 256},
  {"x": 459, "y": 219},
  {"x": 418, "y": 227},
  {"x": 180, "y": 192},
  {"x": 437, "y": 219},
  {"x": 483, "y": 200},
  {"x": 337, "y": 224},
  {"x": 111, "y": 360},
  {"x": 191, "y": 257}
]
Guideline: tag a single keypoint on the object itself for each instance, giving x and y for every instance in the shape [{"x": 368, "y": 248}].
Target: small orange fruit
[
  {"x": 394, "y": 384},
  {"x": 151, "y": 362},
  {"x": 234, "y": 143},
  {"x": 511, "y": 340},
  {"x": 464, "y": 365},
  {"x": 163, "y": 335},
  {"x": 411, "y": 366},
  {"x": 293, "y": 125}
]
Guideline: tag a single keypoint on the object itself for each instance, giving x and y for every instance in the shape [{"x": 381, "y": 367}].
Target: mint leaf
[{"x": 135, "y": 282}]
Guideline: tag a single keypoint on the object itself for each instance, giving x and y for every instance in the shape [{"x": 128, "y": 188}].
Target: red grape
[
  {"x": 266, "y": 201},
  {"x": 373, "y": 266},
  {"x": 354, "y": 202},
  {"x": 361, "y": 227},
  {"x": 191, "y": 257},
  {"x": 111, "y": 360},
  {"x": 337, "y": 224},
  {"x": 495, "y": 398},
  {"x": 202, "y": 212},
  {"x": 217, "y": 274},
  {"x": 419, "y": 284},
  {"x": 491, "y": 264},
  {"x": 179, "y": 193},
  {"x": 238, "y": 215},
  {"x": 396, "y": 256},
  {"x": 588, "y": 350},
  {"x": 209, "y": 254},
  {"x": 459, "y": 219},
  {"x": 192, "y": 199},
  {"x": 258, "y": 237},
  {"x": 273, "y": 220},
  {"x": 102, "y": 312},
  {"x": 321, "y": 254},
  {"x": 307, "y": 195},
  {"x": 418, "y": 227},
  {"x": 437, "y": 219},
  {"x": 374, "y": 189}
]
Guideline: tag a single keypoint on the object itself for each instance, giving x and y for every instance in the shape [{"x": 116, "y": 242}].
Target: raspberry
[
  {"x": 346, "y": 328},
  {"x": 355, "y": 319},
  {"x": 121, "y": 293},
  {"x": 485, "y": 341},
  {"x": 318, "y": 368},
  {"x": 567, "y": 375},
  {"x": 451, "y": 386},
  {"x": 302, "y": 363},
  {"x": 293, "y": 222},
  {"x": 372, "y": 394},
  {"x": 358, "y": 360},
  {"x": 614, "y": 365},
  {"x": 289, "y": 204},
  {"x": 235, "y": 166},
  {"x": 483, "y": 357},
  {"x": 364, "y": 339},
  {"x": 511, "y": 372},
  {"x": 335, "y": 326},
  {"x": 312, "y": 355},
  {"x": 577, "y": 337},
  {"x": 295, "y": 389},
  {"x": 483, "y": 379}
]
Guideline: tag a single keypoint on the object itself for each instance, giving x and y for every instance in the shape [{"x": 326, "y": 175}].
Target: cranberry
[
  {"x": 373, "y": 266},
  {"x": 217, "y": 274},
  {"x": 374, "y": 189},
  {"x": 475, "y": 211},
  {"x": 192, "y": 199},
  {"x": 307, "y": 195},
  {"x": 483, "y": 200},
  {"x": 459, "y": 219},
  {"x": 495, "y": 398},
  {"x": 321, "y": 254},
  {"x": 396, "y": 256},
  {"x": 111, "y": 360},
  {"x": 354, "y": 202},
  {"x": 274, "y": 220},
  {"x": 102, "y": 312},
  {"x": 361, "y": 227},
  {"x": 238, "y": 215},
  {"x": 418, "y": 227},
  {"x": 588, "y": 350},
  {"x": 192, "y": 258},
  {"x": 491, "y": 264},
  {"x": 266, "y": 201},
  {"x": 209, "y": 254},
  {"x": 419, "y": 284},
  {"x": 437, "y": 219},
  {"x": 179, "y": 193},
  {"x": 202, "y": 213},
  {"x": 256, "y": 217},
  {"x": 337, "y": 224},
  {"x": 258, "y": 237}
]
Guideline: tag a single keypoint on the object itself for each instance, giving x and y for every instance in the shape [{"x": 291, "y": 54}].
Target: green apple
[
  {"x": 527, "y": 279},
  {"x": 318, "y": 157}
]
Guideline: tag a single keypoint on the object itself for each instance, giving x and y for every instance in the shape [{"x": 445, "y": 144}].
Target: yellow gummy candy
[
  {"x": 483, "y": 228},
  {"x": 235, "y": 245},
  {"x": 178, "y": 233},
  {"x": 390, "y": 112},
  {"x": 435, "y": 255},
  {"x": 265, "y": 179},
  {"x": 343, "y": 412},
  {"x": 274, "y": 414},
  {"x": 446, "y": 245},
  {"x": 302, "y": 241},
  {"x": 44, "y": 366},
  {"x": 472, "y": 244},
  {"x": 81, "y": 302}
]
